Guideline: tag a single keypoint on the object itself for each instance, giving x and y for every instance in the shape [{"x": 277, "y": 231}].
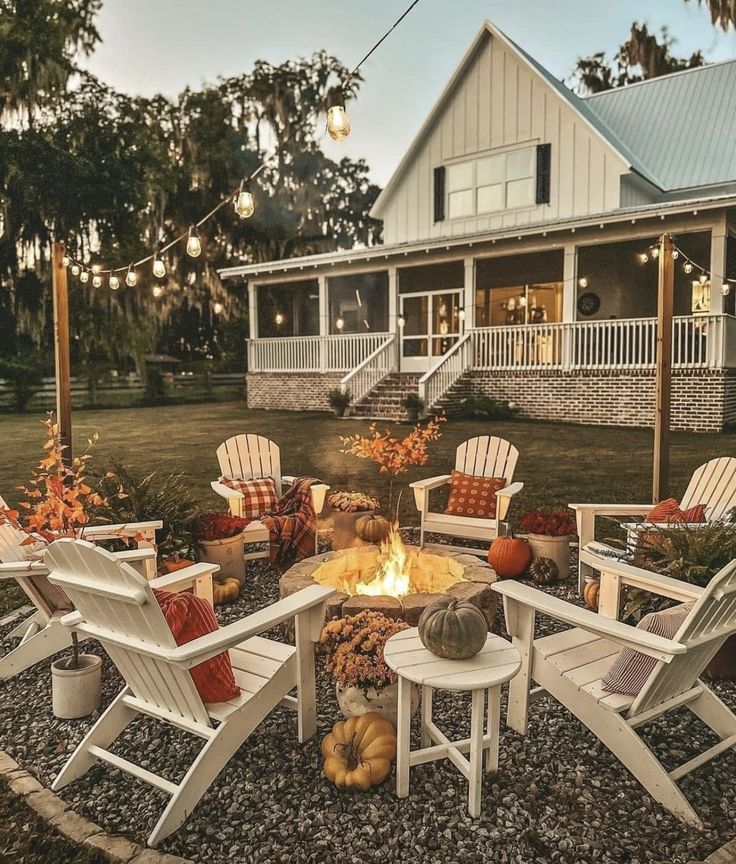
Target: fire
[{"x": 392, "y": 576}]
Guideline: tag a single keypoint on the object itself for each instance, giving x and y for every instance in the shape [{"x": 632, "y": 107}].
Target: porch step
[
  {"x": 449, "y": 403},
  {"x": 384, "y": 400}
]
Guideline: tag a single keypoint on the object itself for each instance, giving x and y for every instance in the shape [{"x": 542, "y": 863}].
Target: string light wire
[{"x": 679, "y": 255}]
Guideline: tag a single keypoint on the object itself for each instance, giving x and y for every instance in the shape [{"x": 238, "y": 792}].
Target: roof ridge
[{"x": 705, "y": 67}]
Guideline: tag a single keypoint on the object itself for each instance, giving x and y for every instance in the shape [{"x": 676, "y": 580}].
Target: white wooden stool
[{"x": 483, "y": 674}]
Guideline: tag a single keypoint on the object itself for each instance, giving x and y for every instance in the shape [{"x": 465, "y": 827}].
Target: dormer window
[{"x": 490, "y": 184}]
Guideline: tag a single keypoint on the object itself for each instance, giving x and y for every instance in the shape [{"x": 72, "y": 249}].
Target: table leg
[
  {"x": 476, "y": 750},
  {"x": 427, "y": 693},
  {"x": 403, "y": 730},
  {"x": 493, "y": 727}
]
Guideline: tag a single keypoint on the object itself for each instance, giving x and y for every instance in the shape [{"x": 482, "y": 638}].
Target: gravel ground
[{"x": 559, "y": 795}]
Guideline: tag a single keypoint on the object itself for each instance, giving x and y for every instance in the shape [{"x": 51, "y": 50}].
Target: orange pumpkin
[
  {"x": 372, "y": 528},
  {"x": 509, "y": 556},
  {"x": 591, "y": 594},
  {"x": 174, "y": 564}
]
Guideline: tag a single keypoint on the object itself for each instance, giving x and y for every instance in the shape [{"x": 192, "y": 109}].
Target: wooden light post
[
  {"x": 665, "y": 292},
  {"x": 61, "y": 349}
]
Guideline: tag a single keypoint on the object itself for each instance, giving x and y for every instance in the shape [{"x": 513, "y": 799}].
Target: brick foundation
[{"x": 289, "y": 391}]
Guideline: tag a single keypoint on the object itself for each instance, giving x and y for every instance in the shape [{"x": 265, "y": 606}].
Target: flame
[{"x": 392, "y": 575}]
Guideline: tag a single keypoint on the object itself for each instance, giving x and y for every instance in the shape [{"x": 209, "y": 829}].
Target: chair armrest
[
  {"x": 146, "y": 530},
  {"x": 179, "y": 580},
  {"x": 503, "y": 498},
  {"x": 607, "y": 628},
  {"x": 638, "y": 577},
  {"x": 422, "y": 488},
  {"x": 612, "y": 509},
  {"x": 19, "y": 569},
  {"x": 136, "y": 555},
  {"x": 225, "y": 491}
]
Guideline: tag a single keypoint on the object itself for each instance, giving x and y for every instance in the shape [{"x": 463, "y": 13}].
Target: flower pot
[
  {"x": 228, "y": 553},
  {"x": 76, "y": 692},
  {"x": 353, "y": 701},
  {"x": 343, "y": 528},
  {"x": 556, "y": 548},
  {"x": 340, "y": 412}
]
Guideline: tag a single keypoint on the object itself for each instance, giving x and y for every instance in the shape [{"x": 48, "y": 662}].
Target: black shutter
[
  {"x": 544, "y": 168},
  {"x": 439, "y": 193}
]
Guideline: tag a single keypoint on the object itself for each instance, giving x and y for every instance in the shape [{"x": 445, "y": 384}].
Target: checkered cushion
[
  {"x": 631, "y": 669},
  {"x": 259, "y": 496},
  {"x": 475, "y": 496}
]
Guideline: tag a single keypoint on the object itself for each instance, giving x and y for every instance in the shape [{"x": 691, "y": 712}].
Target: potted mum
[
  {"x": 219, "y": 537},
  {"x": 346, "y": 508},
  {"x": 339, "y": 400},
  {"x": 549, "y": 533},
  {"x": 354, "y": 648}
]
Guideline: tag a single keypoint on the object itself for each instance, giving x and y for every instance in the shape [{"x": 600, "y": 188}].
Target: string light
[
  {"x": 655, "y": 252},
  {"x": 703, "y": 278},
  {"x": 339, "y": 324},
  {"x": 279, "y": 319},
  {"x": 689, "y": 266},
  {"x": 114, "y": 282},
  {"x": 131, "y": 277},
  {"x": 461, "y": 314},
  {"x": 643, "y": 257},
  {"x": 245, "y": 204},
  {"x": 84, "y": 276},
  {"x": 96, "y": 280},
  {"x": 95, "y": 269},
  {"x": 159, "y": 268},
  {"x": 194, "y": 244},
  {"x": 401, "y": 321},
  {"x": 675, "y": 254},
  {"x": 157, "y": 290},
  {"x": 583, "y": 282},
  {"x": 217, "y": 308},
  {"x": 66, "y": 261},
  {"x": 338, "y": 122},
  {"x": 75, "y": 270}
]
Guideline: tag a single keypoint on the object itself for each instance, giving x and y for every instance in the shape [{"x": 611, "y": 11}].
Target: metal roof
[{"x": 682, "y": 127}]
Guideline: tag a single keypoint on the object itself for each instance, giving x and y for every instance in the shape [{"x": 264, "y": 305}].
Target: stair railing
[
  {"x": 376, "y": 366},
  {"x": 454, "y": 363}
]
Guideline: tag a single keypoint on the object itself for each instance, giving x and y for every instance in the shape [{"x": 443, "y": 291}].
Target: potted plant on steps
[
  {"x": 339, "y": 400},
  {"x": 414, "y": 407},
  {"x": 76, "y": 683},
  {"x": 549, "y": 533}
]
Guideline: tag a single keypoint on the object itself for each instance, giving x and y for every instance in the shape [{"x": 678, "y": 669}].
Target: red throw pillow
[
  {"x": 471, "y": 495},
  {"x": 669, "y": 511},
  {"x": 259, "y": 496},
  {"x": 190, "y": 617}
]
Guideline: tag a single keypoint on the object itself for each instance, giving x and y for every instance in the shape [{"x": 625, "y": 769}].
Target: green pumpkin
[{"x": 454, "y": 629}]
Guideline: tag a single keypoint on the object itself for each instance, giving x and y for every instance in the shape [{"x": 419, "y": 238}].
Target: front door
[{"x": 432, "y": 325}]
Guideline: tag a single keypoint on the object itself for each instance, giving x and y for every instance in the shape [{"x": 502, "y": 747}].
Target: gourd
[
  {"x": 591, "y": 594},
  {"x": 225, "y": 591},
  {"x": 358, "y": 752},
  {"x": 509, "y": 556},
  {"x": 372, "y": 528},
  {"x": 454, "y": 629},
  {"x": 544, "y": 571}
]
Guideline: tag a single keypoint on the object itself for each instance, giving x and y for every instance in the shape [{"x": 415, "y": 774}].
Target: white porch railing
[
  {"x": 361, "y": 380},
  {"x": 438, "y": 380},
  {"x": 337, "y": 353}
]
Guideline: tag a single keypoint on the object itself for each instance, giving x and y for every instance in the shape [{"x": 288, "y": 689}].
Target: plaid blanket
[{"x": 292, "y": 525}]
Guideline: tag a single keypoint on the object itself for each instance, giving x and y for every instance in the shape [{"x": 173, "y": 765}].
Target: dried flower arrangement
[
  {"x": 354, "y": 648},
  {"x": 218, "y": 526},
  {"x": 550, "y": 523},
  {"x": 352, "y": 502}
]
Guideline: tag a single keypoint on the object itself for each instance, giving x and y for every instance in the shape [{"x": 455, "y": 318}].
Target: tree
[{"x": 722, "y": 12}]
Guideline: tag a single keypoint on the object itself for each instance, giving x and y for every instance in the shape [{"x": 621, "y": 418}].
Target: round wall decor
[{"x": 588, "y": 303}]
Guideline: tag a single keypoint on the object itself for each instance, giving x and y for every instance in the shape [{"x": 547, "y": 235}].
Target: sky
[{"x": 161, "y": 46}]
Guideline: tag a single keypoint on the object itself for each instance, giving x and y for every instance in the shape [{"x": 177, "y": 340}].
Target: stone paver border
[{"x": 57, "y": 814}]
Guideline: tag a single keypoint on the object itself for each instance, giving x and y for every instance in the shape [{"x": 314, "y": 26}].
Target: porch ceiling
[{"x": 387, "y": 252}]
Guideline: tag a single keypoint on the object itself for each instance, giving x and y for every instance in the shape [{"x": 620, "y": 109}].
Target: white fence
[{"x": 339, "y": 353}]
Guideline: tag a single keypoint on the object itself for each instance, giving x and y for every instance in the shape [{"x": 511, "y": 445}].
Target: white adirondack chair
[
  {"x": 713, "y": 484},
  {"x": 485, "y": 456},
  {"x": 116, "y": 606},
  {"x": 569, "y": 667},
  {"x": 253, "y": 457}
]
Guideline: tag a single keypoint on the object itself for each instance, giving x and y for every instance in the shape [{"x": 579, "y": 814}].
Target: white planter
[
  {"x": 353, "y": 702},
  {"x": 76, "y": 692},
  {"x": 556, "y": 548},
  {"x": 228, "y": 553}
]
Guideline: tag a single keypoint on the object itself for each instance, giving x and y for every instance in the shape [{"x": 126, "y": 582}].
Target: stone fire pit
[{"x": 434, "y": 573}]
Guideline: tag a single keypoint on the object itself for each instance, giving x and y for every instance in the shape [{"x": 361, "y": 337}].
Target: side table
[{"x": 482, "y": 675}]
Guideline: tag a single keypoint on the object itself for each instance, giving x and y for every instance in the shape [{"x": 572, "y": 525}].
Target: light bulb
[
  {"x": 245, "y": 203},
  {"x": 194, "y": 245},
  {"x": 655, "y": 251},
  {"x": 97, "y": 280},
  {"x": 338, "y": 123},
  {"x": 688, "y": 268},
  {"x": 131, "y": 277},
  {"x": 278, "y": 318},
  {"x": 643, "y": 257},
  {"x": 218, "y": 308},
  {"x": 84, "y": 276},
  {"x": 461, "y": 314},
  {"x": 339, "y": 324},
  {"x": 66, "y": 261},
  {"x": 522, "y": 301},
  {"x": 675, "y": 254},
  {"x": 157, "y": 290},
  {"x": 583, "y": 282},
  {"x": 703, "y": 278},
  {"x": 726, "y": 289},
  {"x": 75, "y": 270},
  {"x": 95, "y": 269},
  {"x": 159, "y": 268},
  {"x": 401, "y": 321},
  {"x": 114, "y": 282}
]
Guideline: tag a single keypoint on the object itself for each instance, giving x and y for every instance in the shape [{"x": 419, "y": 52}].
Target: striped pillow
[
  {"x": 669, "y": 511},
  {"x": 259, "y": 496},
  {"x": 631, "y": 669}
]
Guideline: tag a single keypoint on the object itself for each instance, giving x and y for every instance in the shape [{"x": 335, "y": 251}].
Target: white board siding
[{"x": 499, "y": 102}]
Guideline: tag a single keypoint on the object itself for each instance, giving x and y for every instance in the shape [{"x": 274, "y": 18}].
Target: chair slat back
[
  {"x": 487, "y": 456},
  {"x": 250, "y": 457},
  {"x": 713, "y": 484},
  {"x": 118, "y": 601},
  {"x": 11, "y": 548},
  {"x": 710, "y": 622}
]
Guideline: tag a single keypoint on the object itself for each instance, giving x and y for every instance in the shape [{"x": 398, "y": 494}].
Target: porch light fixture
[
  {"x": 114, "y": 282},
  {"x": 245, "y": 203},
  {"x": 194, "y": 244},
  {"x": 583, "y": 282},
  {"x": 338, "y": 122},
  {"x": 401, "y": 321},
  {"x": 461, "y": 314},
  {"x": 278, "y": 318},
  {"x": 131, "y": 277},
  {"x": 340, "y": 324},
  {"x": 159, "y": 268}
]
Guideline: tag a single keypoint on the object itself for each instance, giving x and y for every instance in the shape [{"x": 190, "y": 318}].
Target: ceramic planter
[
  {"x": 353, "y": 701},
  {"x": 228, "y": 553},
  {"x": 76, "y": 692},
  {"x": 556, "y": 548}
]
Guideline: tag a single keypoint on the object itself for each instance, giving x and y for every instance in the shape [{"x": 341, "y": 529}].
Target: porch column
[
  {"x": 569, "y": 301},
  {"x": 252, "y": 310},
  {"x": 324, "y": 321},
  {"x": 393, "y": 298},
  {"x": 469, "y": 295},
  {"x": 718, "y": 262}
]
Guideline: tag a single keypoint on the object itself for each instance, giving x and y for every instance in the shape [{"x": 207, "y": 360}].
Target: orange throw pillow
[
  {"x": 190, "y": 617},
  {"x": 669, "y": 511},
  {"x": 473, "y": 496}
]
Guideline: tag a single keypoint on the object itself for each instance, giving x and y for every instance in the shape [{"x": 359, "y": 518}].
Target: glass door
[{"x": 432, "y": 324}]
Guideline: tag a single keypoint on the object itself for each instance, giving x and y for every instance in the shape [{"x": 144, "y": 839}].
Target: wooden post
[
  {"x": 61, "y": 349},
  {"x": 665, "y": 292}
]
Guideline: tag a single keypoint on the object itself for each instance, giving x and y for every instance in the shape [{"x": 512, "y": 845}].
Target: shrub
[
  {"x": 413, "y": 404},
  {"x": 24, "y": 375},
  {"x": 339, "y": 399},
  {"x": 485, "y": 408}
]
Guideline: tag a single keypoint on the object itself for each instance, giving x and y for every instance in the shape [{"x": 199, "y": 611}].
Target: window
[{"x": 505, "y": 181}]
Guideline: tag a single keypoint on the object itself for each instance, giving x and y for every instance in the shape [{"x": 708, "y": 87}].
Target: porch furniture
[
  {"x": 570, "y": 665},
  {"x": 253, "y": 457},
  {"x": 485, "y": 456},
  {"x": 116, "y": 605},
  {"x": 713, "y": 484},
  {"x": 482, "y": 675}
]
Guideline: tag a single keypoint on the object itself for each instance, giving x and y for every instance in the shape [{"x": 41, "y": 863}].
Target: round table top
[{"x": 498, "y": 661}]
